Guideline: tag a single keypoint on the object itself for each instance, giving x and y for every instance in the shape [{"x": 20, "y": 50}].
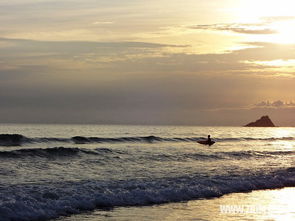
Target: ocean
[{"x": 55, "y": 172}]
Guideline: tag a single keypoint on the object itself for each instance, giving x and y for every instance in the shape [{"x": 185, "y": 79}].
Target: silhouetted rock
[{"x": 264, "y": 121}]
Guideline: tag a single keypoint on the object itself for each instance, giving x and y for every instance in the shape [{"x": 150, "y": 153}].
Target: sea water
[{"x": 50, "y": 171}]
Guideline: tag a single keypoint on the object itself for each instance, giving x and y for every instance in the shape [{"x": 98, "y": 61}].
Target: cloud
[
  {"x": 272, "y": 19},
  {"x": 113, "y": 74},
  {"x": 30, "y": 56},
  {"x": 275, "y": 104},
  {"x": 102, "y": 23},
  {"x": 85, "y": 44},
  {"x": 139, "y": 57},
  {"x": 254, "y": 29},
  {"x": 262, "y": 27},
  {"x": 21, "y": 53},
  {"x": 136, "y": 84}
]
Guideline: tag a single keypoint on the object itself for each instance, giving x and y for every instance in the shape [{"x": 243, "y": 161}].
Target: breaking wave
[
  {"x": 18, "y": 140},
  {"x": 45, "y": 201}
]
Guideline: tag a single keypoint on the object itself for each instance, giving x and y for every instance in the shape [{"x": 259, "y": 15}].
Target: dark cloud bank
[{"x": 139, "y": 86}]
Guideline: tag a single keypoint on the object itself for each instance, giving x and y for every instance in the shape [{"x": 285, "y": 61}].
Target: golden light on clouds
[
  {"x": 252, "y": 10},
  {"x": 247, "y": 44},
  {"x": 278, "y": 63},
  {"x": 266, "y": 15},
  {"x": 286, "y": 34},
  {"x": 283, "y": 32},
  {"x": 279, "y": 67}
]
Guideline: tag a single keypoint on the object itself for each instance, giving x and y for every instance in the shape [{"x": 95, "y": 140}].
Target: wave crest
[
  {"x": 51, "y": 152},
  {"x": 48, "y": 201},
  {"x": 18, "y": 140}
]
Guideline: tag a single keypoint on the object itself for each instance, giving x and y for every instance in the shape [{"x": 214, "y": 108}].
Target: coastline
[{"x": 276, "y": 204}]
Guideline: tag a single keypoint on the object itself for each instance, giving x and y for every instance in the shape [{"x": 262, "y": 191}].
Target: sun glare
[
  {"x": 274, "y": 15},
  {"x": 277, "y": 63},
  {"x": 285, "y": 32},
  {"x": 253, "y": 9},
  {"x": 283, "y": 132}
]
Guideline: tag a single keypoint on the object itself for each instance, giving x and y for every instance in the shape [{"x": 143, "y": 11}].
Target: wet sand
[{"x": 278, "y": 205}]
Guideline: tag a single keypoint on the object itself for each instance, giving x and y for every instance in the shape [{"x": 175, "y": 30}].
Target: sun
[
  {"x": 277, "y": 16},
  {"x": 285, "y": 32},
  {"x": 253, "y": 9}
]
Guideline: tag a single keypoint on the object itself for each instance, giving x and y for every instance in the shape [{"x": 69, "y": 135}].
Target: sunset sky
[{"x": 196, "y": 62}]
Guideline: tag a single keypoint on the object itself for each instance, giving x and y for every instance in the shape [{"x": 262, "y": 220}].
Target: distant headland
[{"x": 264, "y": 121}]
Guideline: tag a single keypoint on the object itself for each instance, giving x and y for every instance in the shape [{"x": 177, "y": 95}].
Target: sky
[{"x": 191, "y": 62}]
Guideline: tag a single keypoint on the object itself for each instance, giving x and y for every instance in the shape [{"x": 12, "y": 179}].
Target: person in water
[
  {"x": 207, "y": 142},
  {"x": 209, "y": 139}
]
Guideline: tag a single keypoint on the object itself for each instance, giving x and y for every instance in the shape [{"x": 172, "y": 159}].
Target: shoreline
[{"x": 269, "y": 204}]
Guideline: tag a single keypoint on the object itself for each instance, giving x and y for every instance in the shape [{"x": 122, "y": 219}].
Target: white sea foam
[
  {"x": 51, "y": 200},
  {"x": 47, "y": 172}
]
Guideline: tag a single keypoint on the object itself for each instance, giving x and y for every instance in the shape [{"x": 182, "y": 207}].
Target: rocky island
[{"x": 264, "y": 121}]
